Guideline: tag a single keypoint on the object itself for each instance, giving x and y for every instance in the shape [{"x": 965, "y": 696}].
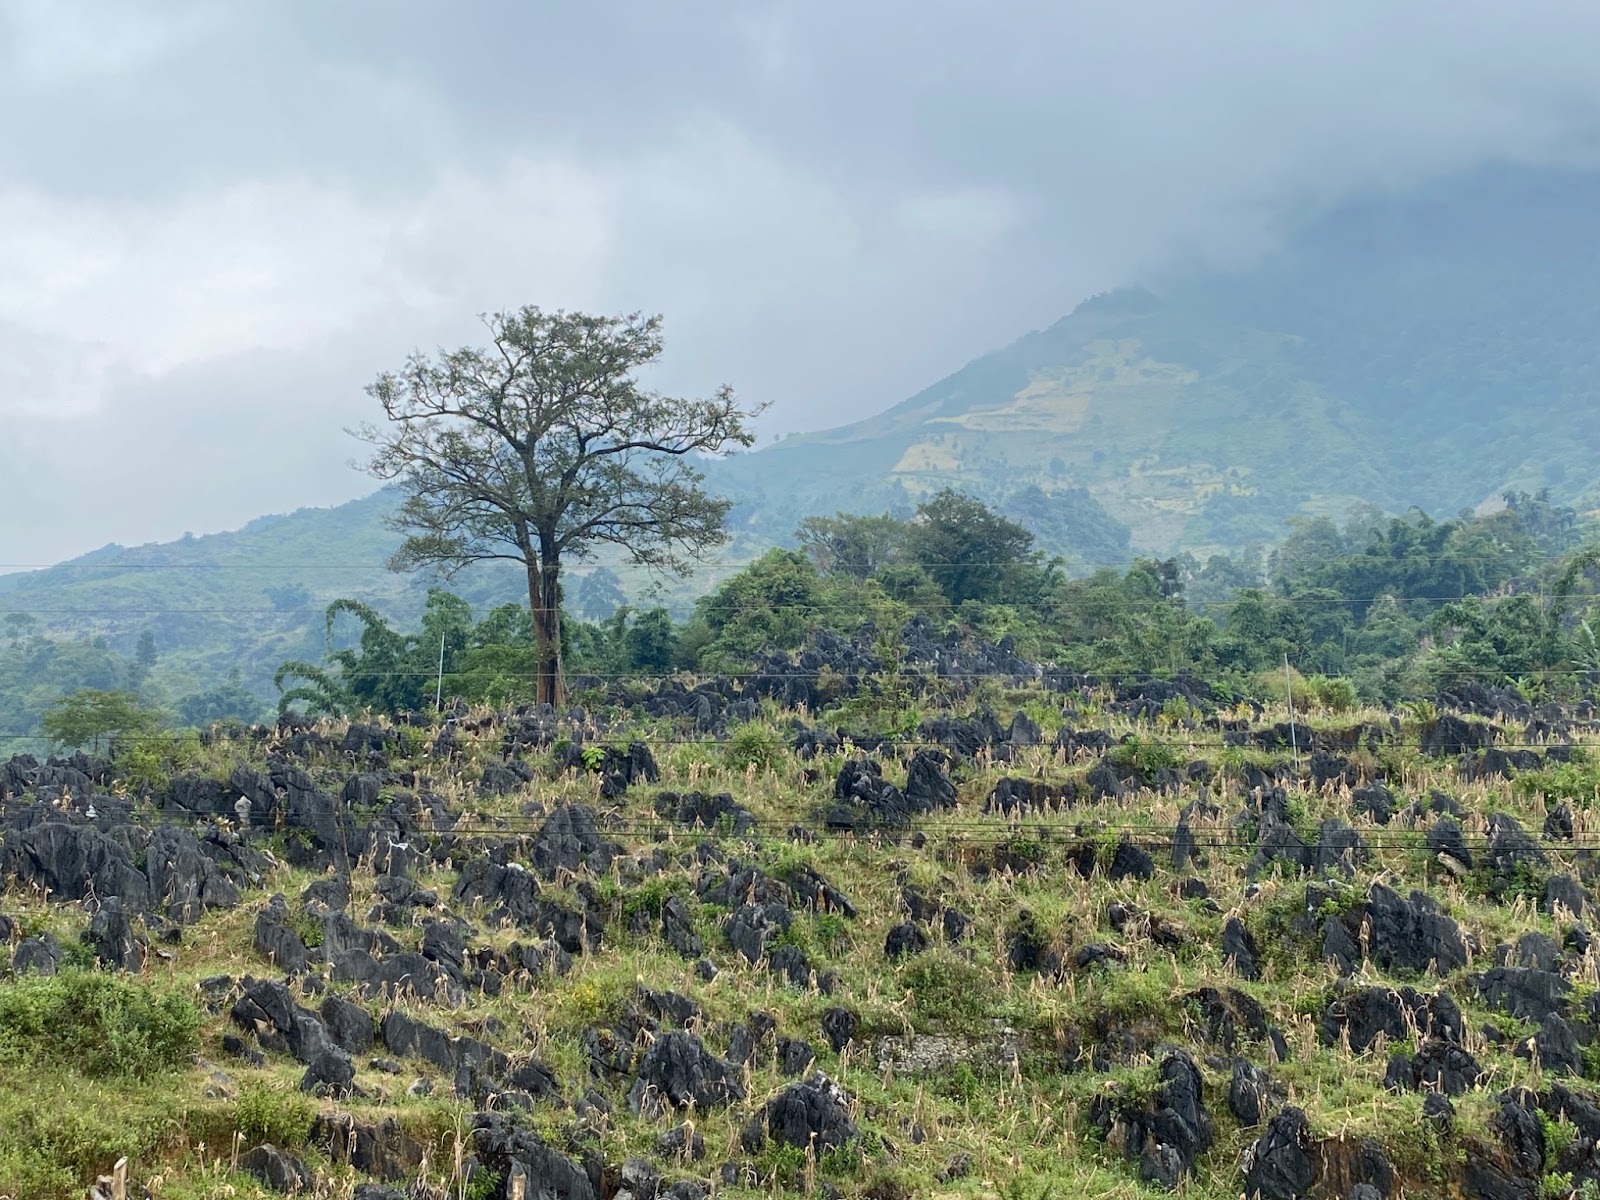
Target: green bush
[
  {"x": 1149, "y": 758},
  {"x": 59, "y": 1130},
  {"x": 945, "y": 988},
  {"x": 96, "y": 1024},
  {"x": 752, "y": 745},
  {"x": 1335, "y": 694},
  {"x": 267, "y": 1114}
]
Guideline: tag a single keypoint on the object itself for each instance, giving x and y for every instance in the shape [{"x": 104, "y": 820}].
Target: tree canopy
[
  {"x": 544, "y": 446},
  {"x": 90, "y": 716}
]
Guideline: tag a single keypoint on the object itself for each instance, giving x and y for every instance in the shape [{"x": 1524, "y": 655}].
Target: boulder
[
  {"x": 1172, "y": 1129},
  {"x": 1442, "y": 1066},
  {"x": 512, "y": 1151},
  {"x": 1249, "y": 1093},
  {"x": 677, "y": 927},
  {"x": 184, "y": 882},
  {"x": 863, "y": 798},
  {"x": 1523, "y": 992},
  {"x": 795, "y": 1056},
  {"x": 277, "y": 1170},
  {"x": 113, "y": 940},
  {"x": 678, "y": 1070},
  {"x": 1412, "y": 934},
  {"x": 814, "y": 1114},
  {"x": 1565, "y": 892},
  {"x": 1510, "y": 847},
  {"x": 72, "y": 862},
  {"x": 277, "y": 942},
  {"x": 1445, "y": 837},
  {"x": 1374, "y": 801},
  {"x": 1280, "y": 1165},
  {"x": 638, "y": 1180},
  {"x": 510, "y": 892},
  {"x": 37, "y": 956},
  {"x": 683, "y": 1142},
  {"x": 268, "y": 1010},
  {"x": 1449, "y": 735},
  {"x": 1239, "y": 949},
  {"x": 1131, "y": 861},
  {"x": 838, "y": 1026},
  {"x": 751, "y": 926},
  {"x": 1556, "y": 1047},
  {"x": 1228, "y": 1016},
  {"x": 330, "y": 1073},
  {"x": 1513, "y": 1170},
  {"x": 720, "y": 812},
  {"x": 381, "y": 1147},
  {"x": 928, "y": 784},
  {"x": 349, "y": 1025},
  {"x": 1339, "y": 849},
  {"x": 1397, "y": 1013},
  {"x": 570, "y": 841},
  {"x": 812, "y": 890},
  {"x": 905, "y": 940},
  {"x": 1558, "y": 823}
]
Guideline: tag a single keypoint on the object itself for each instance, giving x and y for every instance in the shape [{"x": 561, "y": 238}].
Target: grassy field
[{"x": 969, "y": 1074}]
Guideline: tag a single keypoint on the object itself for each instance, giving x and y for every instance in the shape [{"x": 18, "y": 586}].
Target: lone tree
[{"x": 543, "y": 447}]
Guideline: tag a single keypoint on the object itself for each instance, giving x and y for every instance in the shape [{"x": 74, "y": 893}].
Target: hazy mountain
[{"x": 1429, "y": 349}]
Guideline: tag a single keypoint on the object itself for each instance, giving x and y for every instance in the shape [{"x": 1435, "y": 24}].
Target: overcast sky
[{"x": 219, "y": 220}]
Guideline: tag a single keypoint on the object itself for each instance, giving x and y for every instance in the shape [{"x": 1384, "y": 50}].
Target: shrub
[
  {"x": 1336, "y": 694},
  {"x": 97, "y": 1024},
  {"x": 944, "y": 987},
  {"x": 752, "y": 745},
  {"x": 1148, "y": 758},
  {"x": 59, "y": 1130},
  {"x": 268, "y": 1114}
]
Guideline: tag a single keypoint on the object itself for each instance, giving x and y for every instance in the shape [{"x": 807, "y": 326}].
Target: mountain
[{"x": 1433, "y": 349}]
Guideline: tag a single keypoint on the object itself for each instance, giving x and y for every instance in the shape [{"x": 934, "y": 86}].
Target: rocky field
[{"x": 1052, "y": 938}]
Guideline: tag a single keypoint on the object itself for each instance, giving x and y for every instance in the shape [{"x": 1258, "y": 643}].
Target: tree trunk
[{"x": 544, "y": 598}]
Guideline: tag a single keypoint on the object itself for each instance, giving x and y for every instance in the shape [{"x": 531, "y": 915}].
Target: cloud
[{"x": 220, "y": 221}]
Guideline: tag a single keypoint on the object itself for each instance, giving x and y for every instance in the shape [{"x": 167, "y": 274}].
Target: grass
[
  {"x": 115, "y": 1054},
  {"x": 99, "y": 1025}
]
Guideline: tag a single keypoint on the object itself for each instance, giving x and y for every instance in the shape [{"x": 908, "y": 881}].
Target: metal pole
[
  {"x": 1288, "y": 691},
  {"x": 438, "y": 691}
]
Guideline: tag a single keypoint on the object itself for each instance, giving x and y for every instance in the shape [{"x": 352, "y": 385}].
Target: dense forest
[{"x": 1393, "y": 607}]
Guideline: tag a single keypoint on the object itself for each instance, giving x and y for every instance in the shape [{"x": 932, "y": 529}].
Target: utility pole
[
  {"x": 438, "y": 690},
  {"x": 1288, "y": 692}
]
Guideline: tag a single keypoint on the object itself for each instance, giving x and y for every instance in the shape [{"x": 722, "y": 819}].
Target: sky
[{"x": 219, "y": 221}]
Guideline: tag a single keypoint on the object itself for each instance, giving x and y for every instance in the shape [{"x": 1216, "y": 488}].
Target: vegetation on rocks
[{"x": 943, "y": 921}]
